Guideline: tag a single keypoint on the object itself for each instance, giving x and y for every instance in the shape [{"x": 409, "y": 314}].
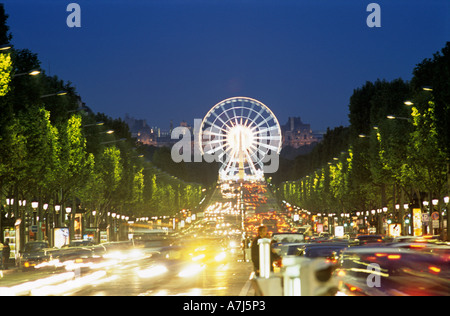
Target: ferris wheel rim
[{"x": 220, "y": 104}]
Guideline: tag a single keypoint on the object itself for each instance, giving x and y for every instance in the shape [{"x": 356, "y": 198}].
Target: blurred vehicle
[
  {"x": 280, "y": 239},
  {"x": 235, "y": 243},
  {"x": 305, "y": 230},
  {"x": 123, "y": 251},
  {"x": 383, "y": 271},
  {"x": 34, "y": 253},
  {"x": 79, "y": 243},
  {"x": 441, "y": 249},
  {"x": 329, "y": 251},
  {"x": 153, "y": 245},
  {"x": 204, "y": 250},
  {"x": 368, "y": 239},
  {"x": 325, "y": 235},
  {"x": 285, "y": 238},
  {"x": 72, "y": 254},
  {"x": 294, "y": 249}
]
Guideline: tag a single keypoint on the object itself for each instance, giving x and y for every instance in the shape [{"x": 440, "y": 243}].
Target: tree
[
  {"x": 5, "y": 73},
  {"x": 435, "y": 74},
  {"x": 75, "y": 164},
  {"x": 5, "y": 36},
  {"x": 41, "y": 150}
]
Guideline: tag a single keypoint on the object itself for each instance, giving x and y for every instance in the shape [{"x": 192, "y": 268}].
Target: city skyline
[{"x": 172, "y": 60}]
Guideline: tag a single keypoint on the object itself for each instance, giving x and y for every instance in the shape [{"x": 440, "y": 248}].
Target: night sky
[{"x": 163, "y": 60}]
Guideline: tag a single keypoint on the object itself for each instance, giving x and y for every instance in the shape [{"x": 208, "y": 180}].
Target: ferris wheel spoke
[
  {"x": 250, "y": 162},
  {"x": 260, "y": 151},
  {"x": 250, "y": 111},
  {"x": 219, "y": 118},
  {"x": 232, "y": 161},
  {"x": 276, "y": 137},
  {"x": 240, "y": 132},
  {"x": 266, "y": 130},
  {"x": 211, "y": 129},
  {"x": 271, "y": 147},
  {"x": 226, "y": 113},
  {"x": 211, "y": 133}
]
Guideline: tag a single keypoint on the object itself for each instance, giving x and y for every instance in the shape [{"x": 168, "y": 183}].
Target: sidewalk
[{"x": 11, "y": 269}]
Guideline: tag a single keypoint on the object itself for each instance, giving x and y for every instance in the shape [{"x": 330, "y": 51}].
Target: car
[
  {"x": 291, "y": 249},
  {"x": 79, "y": 243},
  {"x": 369, "y": 239},
  {"x": 33, "y": 254},
  {"x": 330, "y": 251},
  {"x": 325, "y": 235},
  {"x": 387, "y": 271},
  {"x": 280, "y": 239}
]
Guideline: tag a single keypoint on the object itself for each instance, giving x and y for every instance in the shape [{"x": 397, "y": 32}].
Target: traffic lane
[
  {"x": 385, "y": 270},
  {"x": 172, "y": 277}
]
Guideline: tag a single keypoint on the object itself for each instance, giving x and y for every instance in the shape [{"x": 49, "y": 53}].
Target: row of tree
[
  {"x": 55, "y": 150},
  {"x": 393, "y": 152}
]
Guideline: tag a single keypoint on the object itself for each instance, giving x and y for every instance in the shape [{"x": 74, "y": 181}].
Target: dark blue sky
[{"x": 164, "y": 60}]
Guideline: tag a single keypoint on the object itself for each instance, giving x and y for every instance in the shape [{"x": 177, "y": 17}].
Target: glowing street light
[
  {"x": 59, "y": 93},
  {"x": 393, "y": 117},
  {"x": 33, "y": 72}
]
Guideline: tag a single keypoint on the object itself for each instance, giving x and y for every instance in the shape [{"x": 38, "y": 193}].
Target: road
[
  {"x": 196, "y": 261},
  {"x": 142, "y": 276}
]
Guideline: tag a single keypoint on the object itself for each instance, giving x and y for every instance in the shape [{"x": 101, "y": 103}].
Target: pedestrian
[
  {"x": 5, "y": 254},
  {"x": 262, "y": 233}
]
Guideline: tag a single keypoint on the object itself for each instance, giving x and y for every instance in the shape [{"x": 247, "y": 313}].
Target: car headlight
[
  {"x": 220, "y": 257},
  {"x": 191, "y": 270}
]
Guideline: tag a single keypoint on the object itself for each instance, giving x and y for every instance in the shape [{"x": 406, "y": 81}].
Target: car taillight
[
  {"x": 278, "y": 263},
  {"x": 354, "y": 289},
  {"x": 394, "y": 257},
  {"x": 434, "y": 269}
]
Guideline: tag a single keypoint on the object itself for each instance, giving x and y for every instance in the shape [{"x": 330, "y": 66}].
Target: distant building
[
  {"x": 142, "y": 131},
  {"x": 297, "y": 134},
  {"x": 154, "y": 136}
]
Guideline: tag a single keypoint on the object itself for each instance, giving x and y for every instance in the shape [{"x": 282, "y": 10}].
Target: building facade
[{"x": 297, "y": 134}]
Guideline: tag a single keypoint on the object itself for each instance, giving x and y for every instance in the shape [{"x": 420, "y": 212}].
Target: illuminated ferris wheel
[{"x": 240, "y": 133}]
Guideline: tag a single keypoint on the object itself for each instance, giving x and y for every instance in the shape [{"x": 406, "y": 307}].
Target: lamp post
[
  {"x": 59, "y": 93},
  {"x": 5, "y": 47},
  {"x": 35, "y": 217},
  {"x": 33, "y": 73},
  {"x": 57, "y": 208},
  {"x": 393, "y": 117},
  {"x": 44, "y": 220},
  {"x": 446, "y": 201}
]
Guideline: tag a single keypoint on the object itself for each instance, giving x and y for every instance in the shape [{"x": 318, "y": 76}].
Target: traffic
[{"x": 212, "y": 255}]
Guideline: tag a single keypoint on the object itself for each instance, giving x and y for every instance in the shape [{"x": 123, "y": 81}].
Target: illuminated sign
[
  {"x": 339, "y": 231},
  {"x": 395, "y": 230},
  {"x": 417, "y": 221}
]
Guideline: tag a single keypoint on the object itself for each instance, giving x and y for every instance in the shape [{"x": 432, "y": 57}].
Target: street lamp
[
  {"x": 59, "y": 93},
  {"x": 393, "y": 117},
  {"x": 108, "y": 132},
  {"x": 33, "y": 72},
  {"x": 94, "y": 124},
  {"x": 5, "y": 47},
  {"x": 34, "y": 204}
]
